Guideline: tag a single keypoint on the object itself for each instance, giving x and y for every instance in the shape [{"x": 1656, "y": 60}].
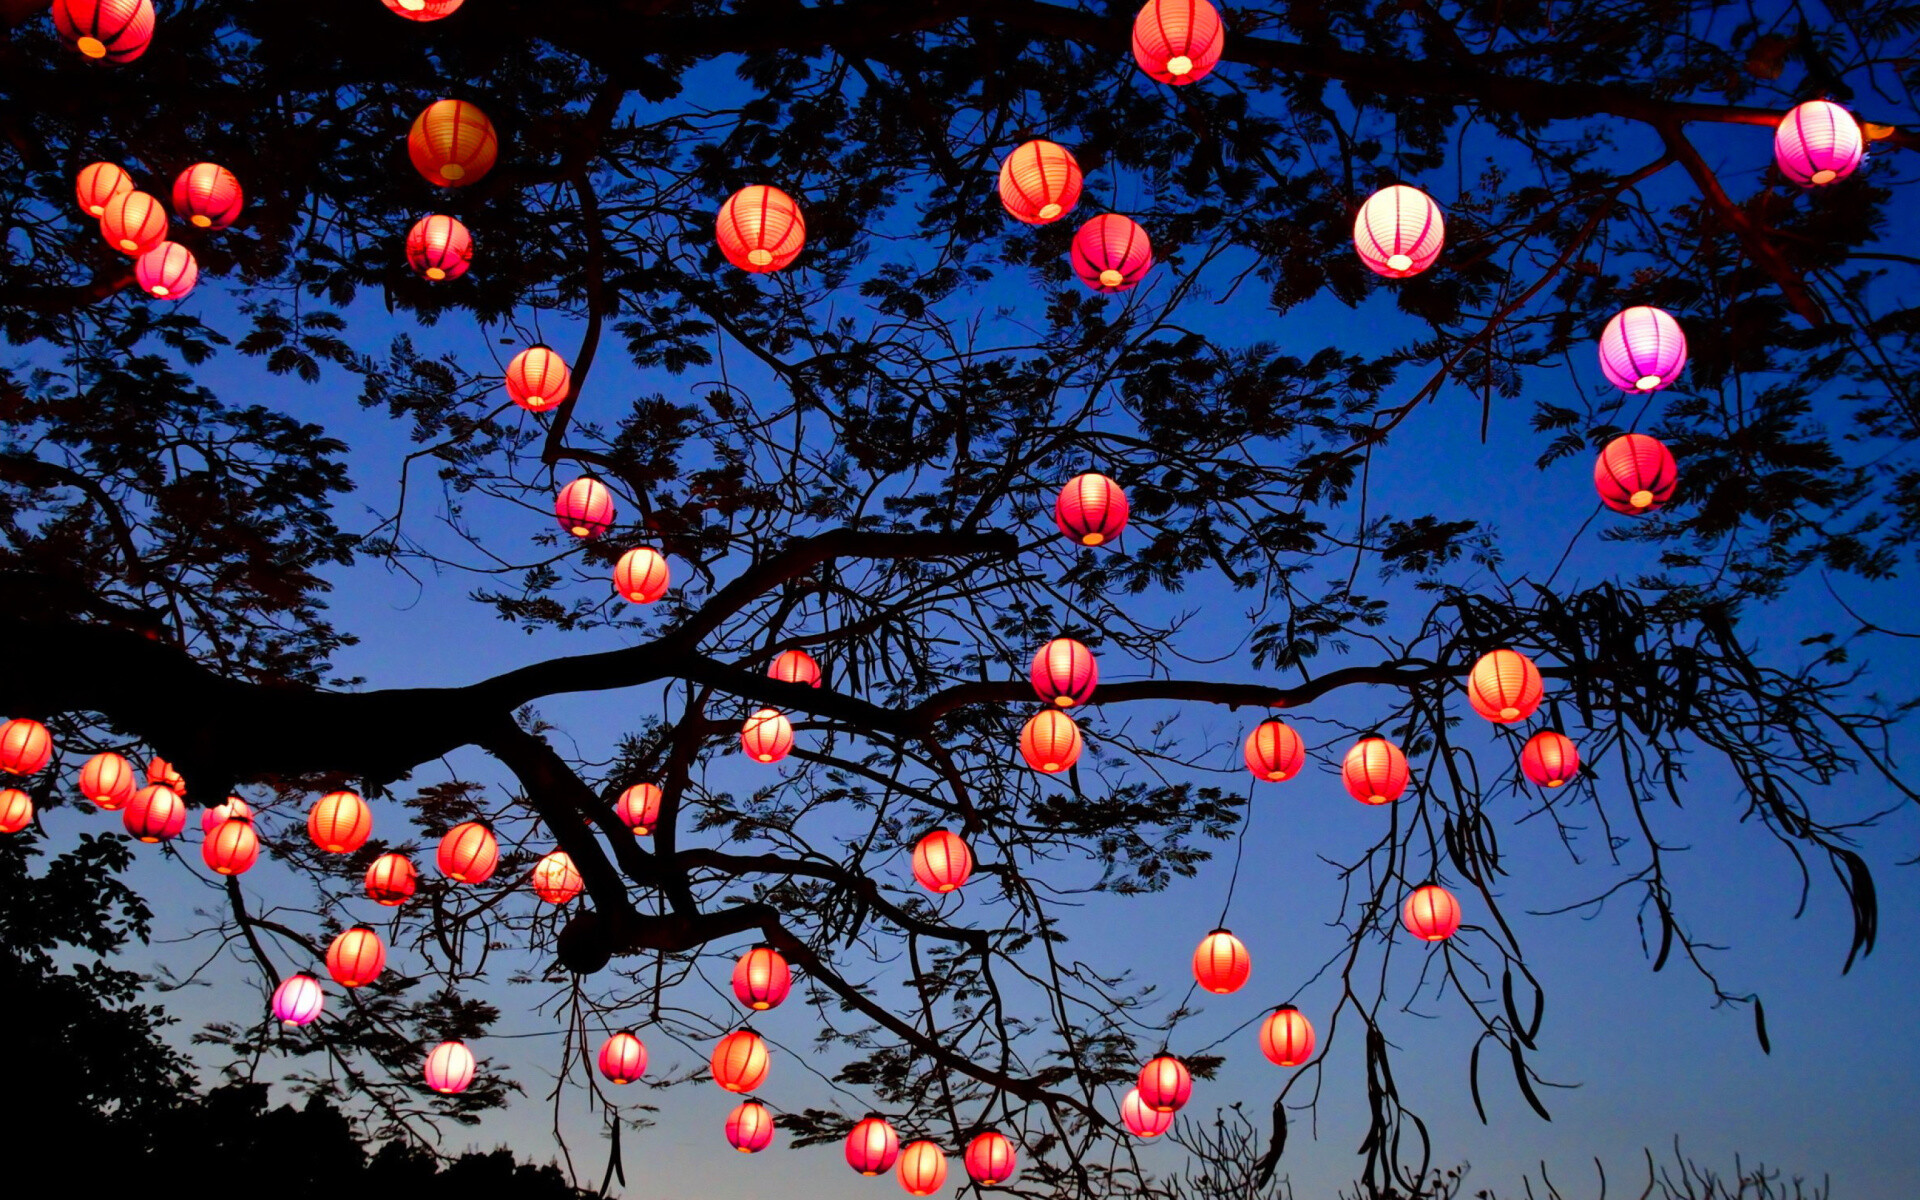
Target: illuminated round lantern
[
  {"x": 439, "y": 247},
  {"x": 1091, "y": 509},
  {"x": 234, "y": 809},
  {"x": 1286, "y": 1037},
  {"x": 16, "y": 810},
  {"x": 116, "y": 30},
  {"x": 1064, "y": 673},
  {"x": 641, "y": 575},
  {"x": 623, "y": 1059},
  {"x": 921, "y": 1168},
  {"x": 1165, "y": 1084},
  {"x": 1431, "y": 913},
  {"x": 1039, "y": 182},
  {"x": 740, "y": 1061},
  {"x": 555, "y": 879},
  {"x": 133, "y": 223},
  {"x": 207, "y": 196},
  {"x": 107, "y": 781},
  {"x": 584, "y": 507},
  {"x": 339, "y": 822},
  {"x": 1274, "y": 752},
  {"x": 98, "y": 183},
  {"x": 762, "y": 979},
  {"x": 166, "y": 272},
  {"x": 1178, "y": 41},
  {"x": 639, "y": 808},
  {"x": 1141, "y": 1120},
  {"x": 356, "y": 957},
  {"x": 760, "y": 229},
  {"x": 1111, "y": 253},
  {"x": 25, "y": 747},
  {"x": 538, "y": 379},
  {"x": 298, "y": 1000},
  {"x": 750, "y": 1128},
  {"x": 767, "y": 736},
  {"x": 1375, "y": 771},
  {"x": 1399, "y": 231},
  {"x": 1550, "y": 758},
  {"x": 1505, "y": 686},
  {"x": 942, "y": 862},
  {"x": 872, "y": 1145},
  {"x": 990, "y": 1158},
  {"x": 795, "y": 666},
  {"x": 155, "y": 814},
  {"x": 159, "y": 770},
  {"x": 450, "y": 1068},
  {"x": 1818, "y": 143},
  {"x": 1635, "y": 474},
  {"x": 423, "y": 10},
  {"x": 452, "y": 143},
  {"x": 1642, "y": 349},
  {"x": 391, "y": 879},
  {"x": 1221, "y": 963},
  {"x": 468, "y": 853},
  {"x": 232, "y": 848},
  {"x": 1050, "y": 741}
]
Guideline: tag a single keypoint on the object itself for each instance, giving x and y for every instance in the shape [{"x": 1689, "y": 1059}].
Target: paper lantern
[
  {"x": 767, "y": 736},
  {"x": 356, "y": 957},
  {"x": 1505, "y": 686},
  {"x": 1818, "y": 143},
  {"x": 641, "y": 575},
  {"x": 339, "y": 822},
  {"x": 1091, "y": 509},
  {"x": 468, "y": 853},
  {"x": 990, "y": 1158},
  {"x": 1165, "y": 1084},
  {"x": 750, "y": 1128},
  {"x": 1039, "y": 183},
  {"x": 16, "y": 810},
  {"x": 555, "y": 879},
  {"x": 391, "y": 879},
  {"x": 762, "y": 979},
  {"x": 1399, "y": 231},
  {"x": 639, "y": 808},
  {"x": 1635, "y": 474},
  {"x": 98, "y": 183},
  {"x": 1221, "y": 963},
  {"x": 452, "y": 143},
  {"x": 116, "y": 30},
  {"x": 1178, "y": 41},
  {"x": 1111, "y": 253},
  {"x": 538, "y": 379},
  {"x": 439, "y": 247},
  {"x": 298, "y": 1000},
  {"x": 234, "y": 809},
  {"x": 159, "y": 770},
  {"x": 1064, "y": 673},
  {"x": 1550, "y": 758},
  {"x": 423, "y": 10},
  {"x": 207, "y": 196},
  {"x": 133, "y": 223},
  {"x": 166, "y": 272},
  {"x": 1642, "y": 349},
  {"x": 232, "y": 848},
  {"x": 1431, "y": 913},
  {"x": 1375, "y": 771},
  {"x": 760, "y": 229},
  {"x": 584, "y": 507},
  {"x": 942, "y": 862},
  {"x": 795, "y": 666},
  {"x": 623, "y": 1059},
  {"x": 740, "y": 1061},
  {"x": 1286, "y": 1037},
  {"x": 921, "y": 1169},
  {"x": 1141, "y": 1120},
  {"x": 155, "y": 814},
  {"x": 872, "y": 1145},
  {"x": 1274, "y": 752},
  {"x": 450, "y": 1068},
  {"x": 25, "y": 747},
  {"x": 107, "y": 781},
  {"x": 1050, "y": 741}
]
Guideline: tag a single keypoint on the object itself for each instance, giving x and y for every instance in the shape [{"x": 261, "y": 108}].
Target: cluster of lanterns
[
  {"x": 873, "y": 1147},
  {"x": 205, "y": 195}
]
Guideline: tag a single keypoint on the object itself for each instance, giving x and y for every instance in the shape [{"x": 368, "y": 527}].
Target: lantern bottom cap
[
  {"x": 453, "y": 171},
  {"x": 1641, "y": 499},
  {"x": 1048, "y": 212},
  {"x": 1509, "y": 714},
  {"x": 1399, "y": 262},
  {"x": 1647, "y": 383},
  {"x": 1112, "y": 278},
  {"x": 92, "y": 47},
  {"x": 1092, "y": 539},
  {"x": 1065, "y": 701},
  {"x": 435, "y": 273},
  {"x": 1825, "y": 176},
  {"x": 1179, "y": 65},
  {"x": 202, "y": 220},
  {"x": 760, "y": 258}
]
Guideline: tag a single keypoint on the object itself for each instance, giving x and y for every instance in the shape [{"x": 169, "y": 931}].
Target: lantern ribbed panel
[
  {"x": 391, "y": 880},
  {"x": 339, "y": 822},
  {"x": 1286, "y": 1037},
  {"x": 555, "y": 879},
  {"x": 639, "y": 808},
  {"x": 356, "y": 957},
  {"x": 1039, "y": 182},
  {"x": 98, "y": 183},
  {"x": 942, "y": 862},
  {"x": 767, "y": 736},
  {"x": 740, "y": 1061},
  {"x": 1550, "y": 758},
  {"x": 1505, "y": 686},
  {"x": 452, "y": 143},
  {"x": 25, "y": 747},
  {"x": 208, "y": 196},
  {"x": 1111, "y": 253},
  {"x": 1642, "y": 349},
  {"x": 922, "y": 1168},
  {"x": 1091, "y": 509},
  {"x": 16, "y": 810},
  {"x": 1635, "y": 474},
  {"x": 1178, "y": 41},
  {"x": 1399, "y": 231},
  {"x": 134, "y": 223},
  {"x": 762, "y": 979},
  {"x": 234, "y": 809},
  {"x": 1431, "y": 913},
  {"x": 623, "y": 1059},
  {"x": 1064, "y": 673},
  {"x": 760, "y": 229},
  {"x": 116, "y": 30},
  {"x": 1221, "y": 963},
  {"x": 1142, "y": 1120},
  {"x": 538, "y": 379},
  {"x": 233, "y": 847},
  {"x": 468, "y": 853},
  {"x": 584, "y": 507},
  {"x": 166, "y": 272},
  {"x": 1818, "y": 143},
  {"x": 990, "y": 1158},
  {"x": 1165, "y": 1084},
  {"x": 750, "y": 1128},
  {"x": 423, "y": 10},
  {"x": 1375, "y": 771},
  {"x": 450, "y": 1068},
  {"x": 155, "y": 814},
  {"x": 298, "y": 1000},
  {"x": 795, "y": 666},
  {"x": 1050, "y": 742},
  {"x": 107, "y": 781},
  {"x": 1274, "y": 752},
  {"x": 872, "y": 1145}
]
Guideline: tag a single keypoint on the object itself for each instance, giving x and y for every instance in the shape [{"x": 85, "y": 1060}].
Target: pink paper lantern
[
  {"x": 1178, "y": 41},
  {"x": 450, "y": 1068},
  {"x": 1818, "y": 143},
  {"x": 584, "y": 507},
  {"x": 1111, "y": 253},
  {"x": 1642, "y": 349},
  {"x": 1399, "y": 231},
  {"x": 298, "y": 1000}
]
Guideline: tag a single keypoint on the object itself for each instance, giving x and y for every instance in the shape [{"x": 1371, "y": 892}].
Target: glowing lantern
[
  {"x": 872, "y": 1145},
  {"x": 1505, "y": 686},
  {"x": 159, "y": 770},
  {"x": 391, "y": 879},
  {"x": 1111, "y": 253},
  {"x": 1141, "y": 1120},
  {"x": 450, "y": 1068},
  {"x": 760, "y": 229},
  {"x": 1550, "y": 758},
  {"x": 584, "y": 507},
  {"x": 921, "y": 1169},
  {"x": 762, "y": 979},
  {"x": 1165, "y": 1084},
  {"x": 298, "y": 1000},
  {"x": 990, "y": 1158},
  {"x": 1431, "y": 913},
  {"x": 740, "y": 1061},
  {"x": 1091, "y": 509},
  {"x": 1642, "y": 349},
  {"x": 439, "y": 247},
  {"x": 232, "y": 848},
  {"x": 452, "y": 143},
  {"x": 1050, "y": 742},
  {"x": 641, "y": 575},
  {"x": 16, "y": 810},
  {"x": 1375, "y": 771},
  {"x": 207, "y": 196},
  {"x": 1635, "y": 474},
  {"x": 133, "y": 223},
  {"x": 116, "y": 30},
  {"x": 942, "y": 862},
  {"x": 1178, "y": 41},
  {"x": 1039, "y": 183},
  {"x": 1399, "y": 231},
  {"x": 98, "y": 183},
  {"x": 339, "y": 822},
  {"x": 767, "y": 736},
  {"x": 750, "y": 1128},
  {"x": 423, "y": 10},
  {"x": 555, "y": 879},
  {"x": 1064, "y": 673},
  {"x": 1286, "y": 1037},
  {"x": 1274, "y": 752},
  {"x": 623, "y": 1059},
  {"x": 1221, "y": 963},
  {"x": 155, "y": 814},
  {"x": 356, "y": 957},
  {"x": 538, "y": 379},
  {"x": 234, "y": 809},
  {"x": 107, "y": 781},
  {"x": 1818, "y": 143},
  {"x": 796, "y": 666},
  {"x": 25, "y": 747},
  {"x": 468, "y": 853},
  {"x": 167, "y": 272},
  {"x": 639, "y": 808}
]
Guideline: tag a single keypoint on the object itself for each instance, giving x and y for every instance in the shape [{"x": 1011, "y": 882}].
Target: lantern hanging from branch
[
  {"x": 872, "y": 1145},
  {"x": 795, "y": 666},
  {"x": 1142, "y": 1120},
  {"x": 1039, "y": 182},
  {"x": 1221, "y": 963},
  {"x": 233, "y": 847},
  {"x": 1818, "y": 143},
  {"x": 167, "y": 272},
  {"x": 1111, "y": 253},
  {"x": 942, "y": 862},
  {"x": 468, "y": 853},
  {"x": 339, "y": 822},
  {"x": 107, "y": 781},
  {"x": 1635, "y": 474},
  {"x": 1375, "y": 771},
  {"x": 623, "y": 1059},
  {"x": 1064, "y": 673},
  {"x": 1091, "y": 509},
  {"x": 1178, "y": 41},
  {"x": 234, "y": 809},
  {"x": 1050, "y": 742},
  {"x": 116, "y": 30},
  {"x": 760, "y": 229},
  {"x": 555, "y": 879},
  {"x": 98, "y": 183},
  {"x": 740, "y": 1061},
  {"x": 1550, "y": 758},
  {"x": 423, "y": 10},
  {"x": 356, "y": 957},
  {"x": 639, "y": 808},
  {"x": 391, "y": 880},
  {"x": 767, "y": 736},
  {"x": 762, "y": 978},
  {"x": 538, "y": 379},
  {"x": 585, "y": 507},
  {"x": 159, "y": 770},
  {"x": 298, "y": 1000},
  {"x": 450, "y": 1068},
  {"x": 1642, "y": 349},
  {"x": 1165, "y": 1084},
  {"x": 990, "y": 1158},
  {"x": 642, "y": 575},
  {"x": 1431, "y": 913},
  {"x": 16, "y": 810},
  {"x": 25, "y": 747},
  {"x": 155, "y": 814},
  {"x": 1286, "y": 1037},
  {"x": 750, "y": 1128},
  {"x": 207, "y": 196},
  {"x": 1274, "y": 752},
  {"x": 439, "y": 247},
  {"x": 1505, "y": 686},
  {"x": 133, "y": 223},
  {"x": 452, "y": 143},
  {"x": 921, "y": 1169},
  {"x": 1399, "y": 232}
]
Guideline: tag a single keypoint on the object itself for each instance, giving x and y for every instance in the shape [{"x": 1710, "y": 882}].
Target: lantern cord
[{"x": 1239, "y": 849}]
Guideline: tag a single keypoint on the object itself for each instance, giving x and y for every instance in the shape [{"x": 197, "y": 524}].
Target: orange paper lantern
[
  {"x": 452, "y": 143},
  {"x": 116, "y": 30},
  {"x": 1286, "y": 1037},
  {"x": 538, "y": 379},
  {"x": 133, "y": 223},
  {"x": 639, "y": 808},
  {"x": 1064, "y": 673},
  {"x": 555, "y": 879},
  {"x": 1142, "y": 1120},
  {"x": 107, "y": 781},
  {"x": 1221, "y": 963},
  {"x": 1505, "y": 686},
  {"x": 942, "y": 862},
  {"x": 356, "y": 957},
  {"x": 1165, "y": 1084},
  {"x": 339, "y": 822},
  {"x": 641, "y": 575},
  {"x": 1550, "y": 758},
  {"x": 922, "y": 1168},
  {"x": 760, "y": 229},
  {"x": 623, "y": 1059},
  {"x": 1431, "y": 913},
  {"x": 391, "y": 880},
  {"x": 212, "y": 818},
  {"x": 468, "y": 853},
  {"x": 1274, "y": 752},
  {"x": 1050, "y": 741},
  {"x": 423, "y": 10},
  {"x": 762, "y": 978},
  {"x": 1375, "y": 771},
  {"x": 207, "y": 196},
  {"x": 25, "y": 747},
  {"x": 16, "y": 810},
  {"x": 155, "y": 814},
  {"x": 767, "y": 736},
  {"x": 232, "y": 848},
  {"x": 795, "y": 666},
  {"x": 1039, "y": 183},
  {"x": 98, "y": 183},
  {"x": 1178, "y": 41},
  {"x": 740, "y": 1061},
  {"x": 990, "y": 1158},
  {"x": 872, "y": 1145}
]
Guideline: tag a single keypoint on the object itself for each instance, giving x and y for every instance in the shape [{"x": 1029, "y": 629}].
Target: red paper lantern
[
  {"x": 1375, "y": 771},
  {"x": 641, "y": 575},
  {"x": 1178, "y": 41},
  {"x": 922, "y": 1168},
  {"x": 1635, "y": 474},
  {"x": 1274, "y": 751},
  {"x": 1431, "y": 913},
  {"x": 159, "y": 770},
  {"x": 356, "y": 957},
  {"x": 1221, "y": 963},
  {"x": 423, "y": 10},
  {"x": 1818, "y": 143},
  {"x": 1142, "y": 1120},
  {"x": 1286, "y": 1037},
  {"x": 990, "y": 1158},
  {"x": 1064, "y": 673},
  {"x": 1505, "y": 686},
  {"x": 439, "y": 247},
  {"x": 796, "y": 666},
  {"x": 1165, "y": 1084},
  {"x": 584, "y": 507},
  {"x": 233, "y": 847},
  {"x": 538, "y": 379},
  {"x": 16, "y": 810},
  {"x": 155, "y": 814},
  {"x": 207, "y": 196},
  {"x": 391, "y": 879},
  {"x": 639, "y": 808},
  {"x": 1111, "y": 253},
  {"x": 25, "y": 747},
  {"x": 468, "y": 853},
  {"x": 1091, "y": 509},
  {"x": 762, "y": 979},
  {"x": 234, "y": 809},
  {"x": 452, "y": 143},
  {"x": 942, "y": 862},
  {"x": 116, "y": 30},
  {"x": 623, "y": 1059},
  {"x": 740, "y": 1061},
  {"x": 1550, "y": 758},
  {"x": 298, "y": 1000},
  {"x": 750, "y": 1128},
  {"x": 1039, "y": 183},
  {"x": 555, "y": 879},
  {"x": 166, "y": 272},
  {"x": 107, "y": 781},
  {"x": 872, "y": 1145},
  {"x": 98, "y": 183},
  {"x": 767, "y": 736},
  {"x": 1050, "y": 742},
  {"x": 339, "y": 822},
  {"x": 450, "y": 1068},
  {"x": 760, "y": 229},
  {"x": 133, "y": 223},
  {"x": 1399, "y": 232}
]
